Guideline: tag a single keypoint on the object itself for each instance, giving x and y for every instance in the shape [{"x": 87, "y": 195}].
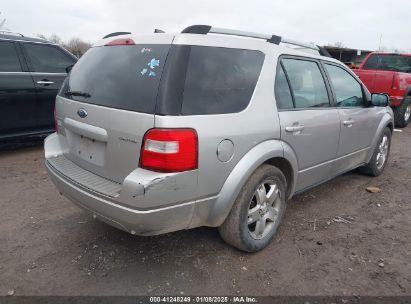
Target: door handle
[
  {"x": 294, "y": 129},
  {"x": 45, "y": 82},
  {"x": 348, "y": 123}
]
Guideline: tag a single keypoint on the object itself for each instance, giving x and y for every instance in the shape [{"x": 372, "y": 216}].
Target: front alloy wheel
[
  {"x": 379, "y": 158},
  {"x": 382, "y": 153}
]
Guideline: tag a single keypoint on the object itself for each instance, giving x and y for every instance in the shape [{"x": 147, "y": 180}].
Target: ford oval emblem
[{"x": 82, "y": 113}]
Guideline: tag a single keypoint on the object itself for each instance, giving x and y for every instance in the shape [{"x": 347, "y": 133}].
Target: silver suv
[{"x": 209, "y": 127}]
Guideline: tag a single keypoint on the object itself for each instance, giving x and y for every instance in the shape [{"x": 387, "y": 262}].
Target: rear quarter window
[{"x": 220, "y": 80}]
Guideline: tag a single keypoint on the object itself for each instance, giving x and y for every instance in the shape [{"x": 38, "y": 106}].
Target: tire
[
  {"x": 261, "y": 203},
  {"x": 402, "y": 114},
  {"x": 374, "y": 167}
]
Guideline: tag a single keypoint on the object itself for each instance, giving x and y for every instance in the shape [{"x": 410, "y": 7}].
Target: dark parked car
[{"x": 32, "y": 71}]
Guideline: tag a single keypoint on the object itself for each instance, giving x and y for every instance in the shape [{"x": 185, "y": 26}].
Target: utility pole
[
  {"x": 2, "y": 22},
  {"x": 379, "y": 46}
]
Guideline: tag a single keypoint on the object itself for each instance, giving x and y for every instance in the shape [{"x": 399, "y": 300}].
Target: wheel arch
[
  {"x": 274, "y": 152},
  {"x": 390, "y": 125},
  {"x": 286, "y": 168},
  {"x": 387, "y": 121}
]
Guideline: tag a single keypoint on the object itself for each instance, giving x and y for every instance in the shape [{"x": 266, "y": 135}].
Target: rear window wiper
[{"x": 77, "y": 93}]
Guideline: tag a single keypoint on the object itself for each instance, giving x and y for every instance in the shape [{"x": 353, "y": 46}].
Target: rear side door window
[
  {"x": 282, "y": 91},
  {"x": 18, "y": 100},
  {"x": 347, "y": 90},
  {"x": 306, "y": 83},
  {"x": 9, "y": 60},
  {"x": 47, "y": 58}
]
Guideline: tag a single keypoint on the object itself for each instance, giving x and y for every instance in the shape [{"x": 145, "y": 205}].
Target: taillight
[
  {"x": 399, "y": 83},
  {"x": 395, "y": 83},
  {"x": 121, "y": 41},
  {"x": 170, "y": 150}
]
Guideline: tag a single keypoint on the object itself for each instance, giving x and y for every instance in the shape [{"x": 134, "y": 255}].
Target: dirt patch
[{"x": 337, "y": 239}]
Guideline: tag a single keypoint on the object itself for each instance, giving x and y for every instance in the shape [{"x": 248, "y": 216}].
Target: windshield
[
  {"x": 123, "y": 77},
  {"x": 389, "y": 62}
]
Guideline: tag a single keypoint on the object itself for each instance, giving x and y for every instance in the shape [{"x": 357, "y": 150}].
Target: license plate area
[{"x": 88, "y": 149}]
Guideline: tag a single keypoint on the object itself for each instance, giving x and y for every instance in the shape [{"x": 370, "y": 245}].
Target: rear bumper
[
  {"x": 147, "y": 222},
  {"x": 113, "y": 211}
]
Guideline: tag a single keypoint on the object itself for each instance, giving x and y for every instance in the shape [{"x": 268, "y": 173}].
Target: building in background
[{"x": 351, "y": 57}]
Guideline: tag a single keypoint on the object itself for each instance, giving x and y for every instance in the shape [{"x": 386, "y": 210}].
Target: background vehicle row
[{"x": 31, "y": 73}]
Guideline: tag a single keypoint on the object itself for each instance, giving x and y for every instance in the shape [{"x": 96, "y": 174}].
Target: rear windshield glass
[
  {"x": 396, "y": 63},
  {"x": 124, "y": 77}
]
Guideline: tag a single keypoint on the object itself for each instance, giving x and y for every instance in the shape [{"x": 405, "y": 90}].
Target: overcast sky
[{"x": 355, "y": 23}]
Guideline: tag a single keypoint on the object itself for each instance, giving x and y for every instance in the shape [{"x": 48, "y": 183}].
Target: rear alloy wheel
[
  {"x": 258, "y": 210},
  {"x": 380, "y": 156},
  {"x": 263, "y": 209},
  {"x": 402, "y": 114}
]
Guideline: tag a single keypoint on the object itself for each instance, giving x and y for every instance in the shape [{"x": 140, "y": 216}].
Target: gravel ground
[{"x": 337, "y": 239}]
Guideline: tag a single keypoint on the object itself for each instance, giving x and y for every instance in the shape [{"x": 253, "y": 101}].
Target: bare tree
[
  {"x": 337, "y": 44},
  {"x": 76, "y": 46},
  {"x": 55, "y": 39}
]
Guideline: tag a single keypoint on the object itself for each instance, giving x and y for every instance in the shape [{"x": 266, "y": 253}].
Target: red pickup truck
[{"x": 390, "y": 74}]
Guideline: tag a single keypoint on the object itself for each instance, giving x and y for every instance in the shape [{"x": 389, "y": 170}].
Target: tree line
[{"x": 76, "y": 46}]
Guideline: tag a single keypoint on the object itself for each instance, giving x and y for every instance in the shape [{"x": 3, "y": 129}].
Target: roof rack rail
[
  {"x": 323, "y": 51},
  {"x": 9, "y": 32},
  {"x": 116, "y": 34},
  {"x": 206, "y": 29}
]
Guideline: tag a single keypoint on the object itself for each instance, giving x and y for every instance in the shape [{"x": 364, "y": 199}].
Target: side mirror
[
  {"x": 68, "y": 69},
  {"x": 379, "y": 100}
]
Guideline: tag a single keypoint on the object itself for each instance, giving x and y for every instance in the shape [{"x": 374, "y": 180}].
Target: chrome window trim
[
  {"x": 29, "y": 41},
  {"x": 33, "y": 73},
  {"x": 48, "y": 73}
]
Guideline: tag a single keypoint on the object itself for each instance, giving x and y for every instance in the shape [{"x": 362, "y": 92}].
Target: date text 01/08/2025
[{"x": 203, "y": 299}]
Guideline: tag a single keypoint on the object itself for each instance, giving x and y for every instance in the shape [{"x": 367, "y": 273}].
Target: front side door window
[
  {"x": 358, "y": 121},
  {"x": 348, "y": 91}
]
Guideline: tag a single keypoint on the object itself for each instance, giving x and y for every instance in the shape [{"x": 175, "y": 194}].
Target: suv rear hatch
[{"x": 108, "y": 102}]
